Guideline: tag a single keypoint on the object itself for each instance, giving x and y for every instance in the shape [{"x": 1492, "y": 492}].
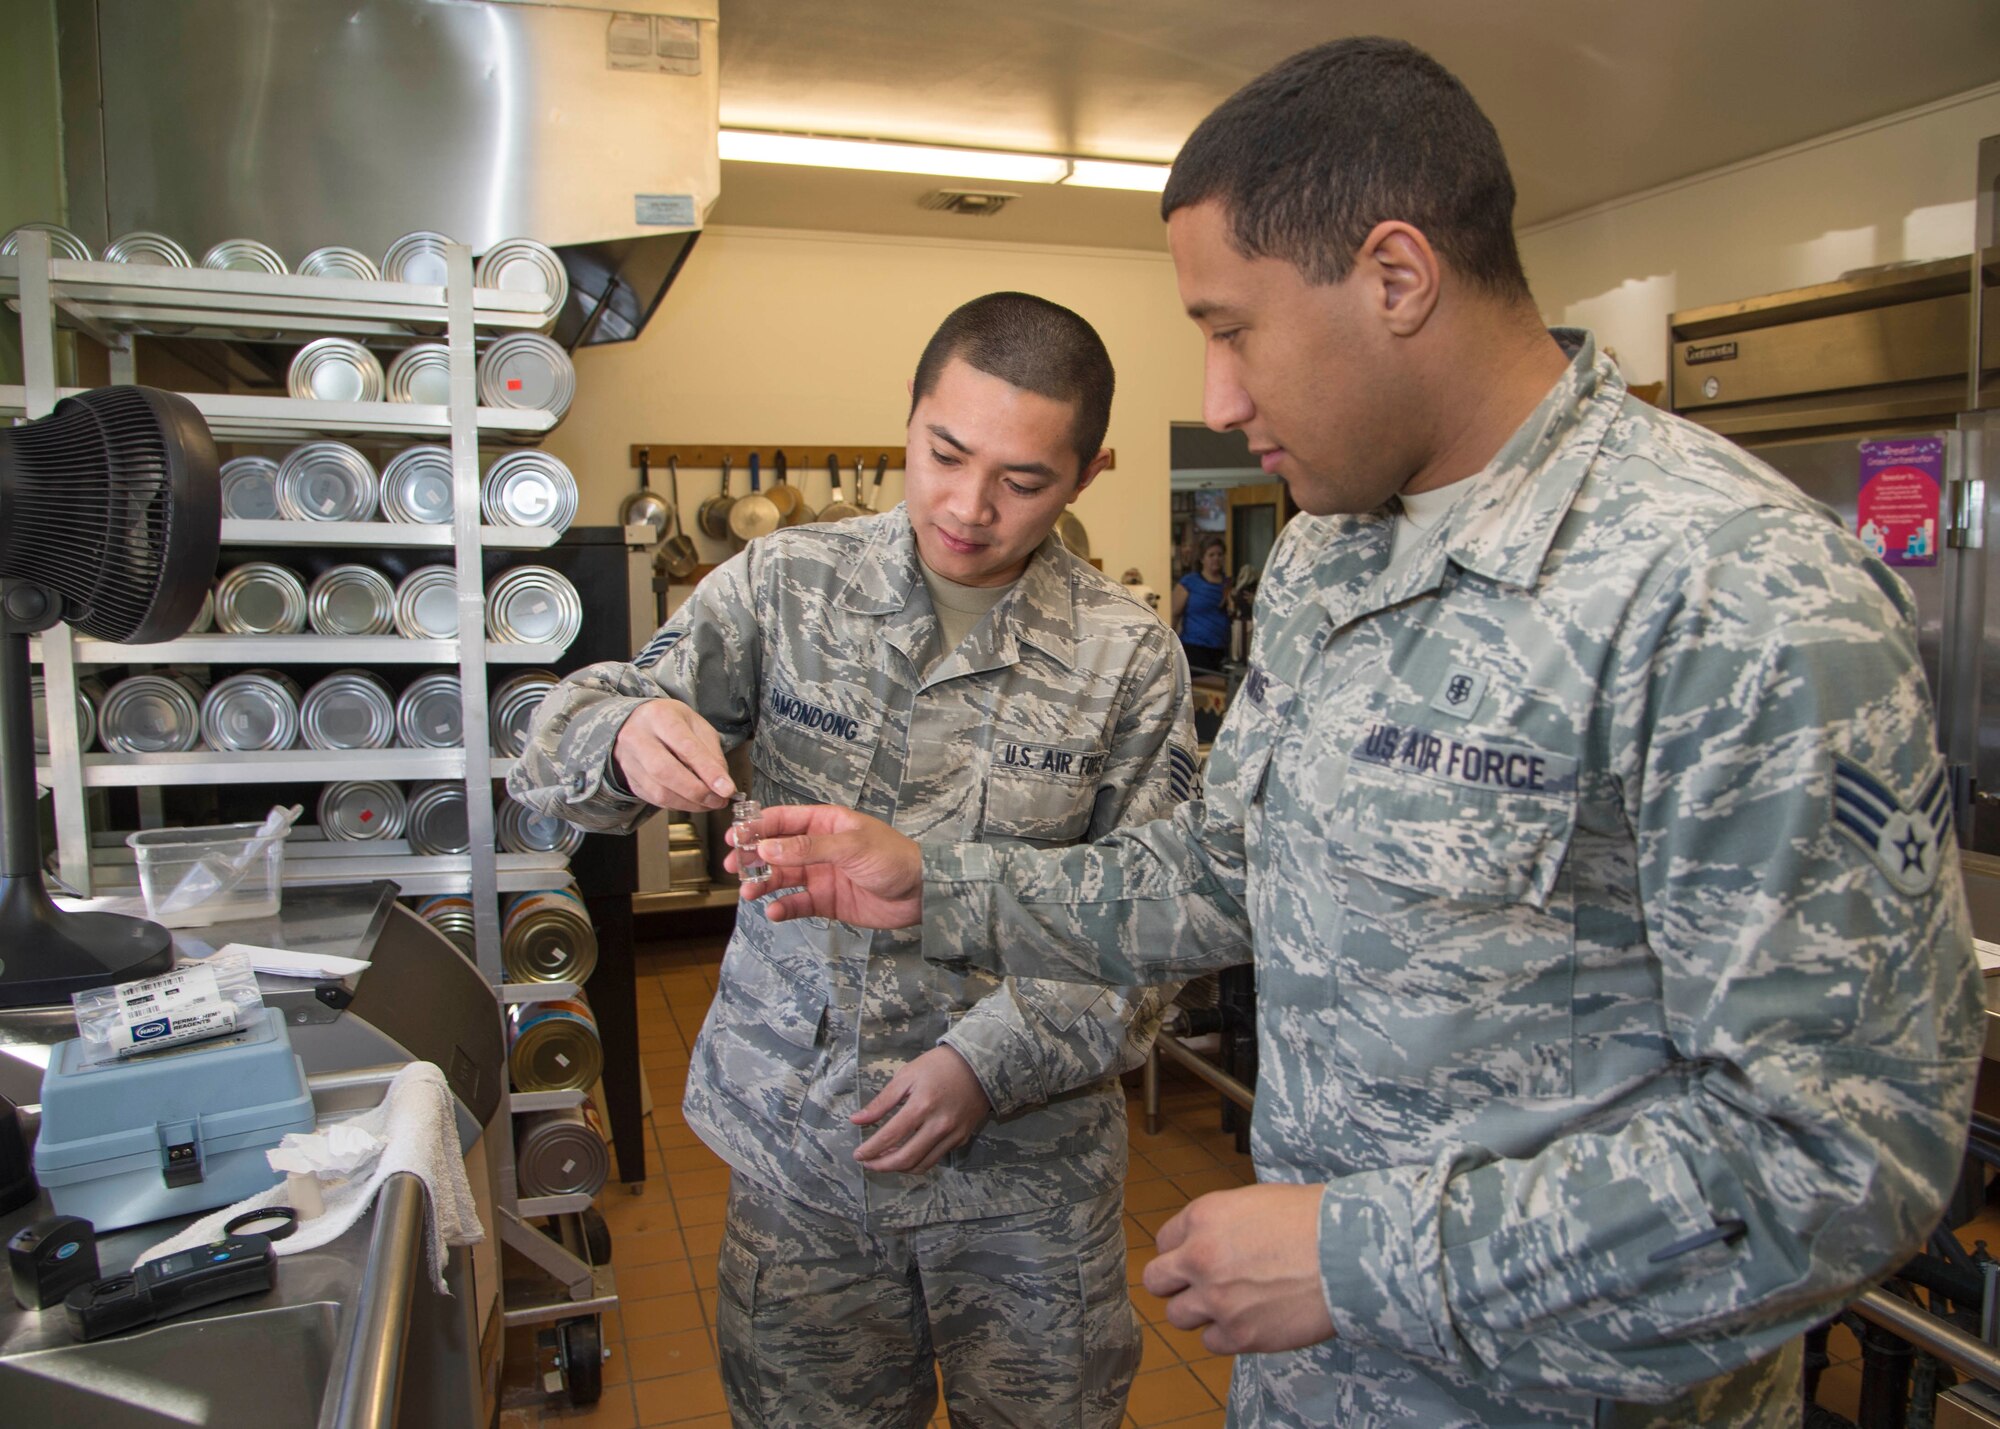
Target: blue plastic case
[{"x": 172, "y": 1132}]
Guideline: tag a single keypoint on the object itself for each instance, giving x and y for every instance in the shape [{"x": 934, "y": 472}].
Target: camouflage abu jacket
[
  {"x": 1613, "y": 968},
  {"x": 1062, "y": 716}
]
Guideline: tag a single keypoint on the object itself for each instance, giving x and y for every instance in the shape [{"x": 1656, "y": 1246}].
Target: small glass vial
[{"x": 743, "y": 816}]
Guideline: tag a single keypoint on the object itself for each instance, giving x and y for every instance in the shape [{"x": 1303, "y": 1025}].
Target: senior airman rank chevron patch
[
  {"x": 1907, "y": 844},
  {"x": 1180, "y": 772},
  {"x": 659, "y": 645}
]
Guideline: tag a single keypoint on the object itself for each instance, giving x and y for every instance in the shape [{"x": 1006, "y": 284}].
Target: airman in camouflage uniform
[
  {"x": 1613, "y": 968},
  {"x": 1617, "y": 1014},
  {"x": 1063, "y": 715}
]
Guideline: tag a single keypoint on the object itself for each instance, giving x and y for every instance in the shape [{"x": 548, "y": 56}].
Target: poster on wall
[
  {"x": 1211, "y": 510},
  {"x": 1897, "y": 513}
]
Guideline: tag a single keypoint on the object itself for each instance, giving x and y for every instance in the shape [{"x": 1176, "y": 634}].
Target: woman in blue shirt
[{"x": 1201, "y": 610}]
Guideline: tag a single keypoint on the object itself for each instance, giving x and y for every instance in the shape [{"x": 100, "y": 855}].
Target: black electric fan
[{"x": 110, "y": 519}]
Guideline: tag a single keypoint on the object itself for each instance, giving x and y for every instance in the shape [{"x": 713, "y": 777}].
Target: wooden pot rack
[{"x": 707, "y": 456}]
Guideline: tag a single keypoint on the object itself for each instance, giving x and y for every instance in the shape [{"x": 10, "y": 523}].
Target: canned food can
[
  {"x": 149, "y": 250},
  {"x": 512, "y": 710},
  {"x": 421, "y": 373},
  {"x": 151, "y": 714},
  {"x": 335, "y": 369},
  {"x": 529, "y": 488},
  {"x": 438, "y": 822},
  {"x": 258, "y": 709},
  {"x": 525, "y": 830},
  {"x": 244, "y": 255},
  {"x": 547, "y": 936},
  {"x": 416, "y": 258},
  {"x": 553, "y": 1046},
  {"x": 260, "y": 598},
  {"x": 430, "y": 713},
  {"x": 560, "y": 1153},
  {"x": 362, "y": 810},
  {"x": 326, "y": 481},
  {"x": 521, "y": 265},
  {"x": 427, "y": 604},
  {"x": 62, "y": 243},
  {"x": 351, "y": 600},
  {"x": 533, "y": 605},
  {"x": 349, "y": 709},
  {"x": 204, "y": 619},
  {"x": 527, "y": 371},
  {"x": 417, "y": 487},
  {"x": 89, "y": 695},
  {"x": 250, "y": 488},
  {"x": 451, "y": 915},
  {"x": 334, "y": 261}
]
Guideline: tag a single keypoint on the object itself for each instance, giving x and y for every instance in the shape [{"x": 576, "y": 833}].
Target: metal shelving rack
[{"x": 112, "y": 303}]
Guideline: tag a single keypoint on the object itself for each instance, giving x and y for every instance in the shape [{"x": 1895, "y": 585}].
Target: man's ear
[
  {"x": 910, "y": 388},
  {"x": 1097, "y": 464},
  {"x": 1404, "y": 275}
]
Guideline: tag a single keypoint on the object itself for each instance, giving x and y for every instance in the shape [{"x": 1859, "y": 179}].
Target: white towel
[{"x": 416, "y": 1121}]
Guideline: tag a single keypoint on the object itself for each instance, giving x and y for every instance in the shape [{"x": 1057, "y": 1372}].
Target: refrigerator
[{"x": 1857, "y": 390}]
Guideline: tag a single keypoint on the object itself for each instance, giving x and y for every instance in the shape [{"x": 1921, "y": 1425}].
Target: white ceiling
[{"x": 1594, "y": 99}]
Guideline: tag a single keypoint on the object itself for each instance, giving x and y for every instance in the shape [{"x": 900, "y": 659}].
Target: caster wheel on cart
[
  {"x": 580, "y": 1351},
  {"x": 596, "y": 1237}
]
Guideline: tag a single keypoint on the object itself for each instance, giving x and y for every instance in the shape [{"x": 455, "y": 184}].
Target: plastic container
[{"x": 166, "y": 856}]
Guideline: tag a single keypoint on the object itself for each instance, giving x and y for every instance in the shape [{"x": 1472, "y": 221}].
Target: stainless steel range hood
[{"x": 308, "y": 122}]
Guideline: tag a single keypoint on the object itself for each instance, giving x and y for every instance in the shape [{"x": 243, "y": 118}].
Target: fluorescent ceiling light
[
  {"x": 886, "y": 156},
  {"x": 1112, "y": 174},
  {"x": 882, "y": 157}
]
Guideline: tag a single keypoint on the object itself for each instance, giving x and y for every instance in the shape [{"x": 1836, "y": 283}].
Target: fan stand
[{"x": 45, "y": 953}]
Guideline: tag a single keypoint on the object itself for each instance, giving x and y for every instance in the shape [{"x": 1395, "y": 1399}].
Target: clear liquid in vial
[{"x": 743, "y": 816}]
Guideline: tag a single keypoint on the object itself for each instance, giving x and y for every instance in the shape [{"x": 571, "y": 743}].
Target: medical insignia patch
[
  {"x": 1907, "y": 844},
  {"x": 1461, "y": 692}
]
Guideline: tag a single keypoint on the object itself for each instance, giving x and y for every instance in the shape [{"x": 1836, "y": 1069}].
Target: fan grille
[{"x": 89, "y": 497}]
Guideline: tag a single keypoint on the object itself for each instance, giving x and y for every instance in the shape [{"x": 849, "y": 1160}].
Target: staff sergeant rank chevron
[{"x": 1904, "y": 843}]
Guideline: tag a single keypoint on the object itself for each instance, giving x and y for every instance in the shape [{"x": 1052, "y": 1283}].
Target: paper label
[
  {"x": 569, "y": 1166},
  {"x": 174, "y": 1007},
  {"x": 562, "y": 1061}
]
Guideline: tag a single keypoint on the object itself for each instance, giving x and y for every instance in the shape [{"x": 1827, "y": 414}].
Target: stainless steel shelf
[
  {"x": 311, "y": 860},
  {"x": 552, "y": 1206},
  {"x": 297, "y": 650},
  {"x": 207, "y": 766},
  {"x": 716, "y": 895},
  {"x": 379, "y": 533},
  {"x": 234, "y": 417},
  {"x": 539, "y": 1310},
  {"x": 544, "y": 1101},
  {"x": 131, "y": 298},
  {"x": 513, "y": 992}
]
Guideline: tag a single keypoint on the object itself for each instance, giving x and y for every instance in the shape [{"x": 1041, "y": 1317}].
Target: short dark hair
[
  {"x": 1308, "y": 157},
  {"x": 1033, "y": 344}
]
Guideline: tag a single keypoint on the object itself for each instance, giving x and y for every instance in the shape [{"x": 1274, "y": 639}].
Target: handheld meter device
[{"x": 172, "y": 1285}]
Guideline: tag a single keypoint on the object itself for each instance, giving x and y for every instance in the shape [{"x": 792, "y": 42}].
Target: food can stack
[
  {"x": 521, "y": 829},
  {"x": 561, "y": 1153},
  {"x": 451, "y": 915},
  {"x": 349, "y": 709},
  {"x": 362, "y": 810},
  {"x": 438, "y": 821},
  {"x": 152, "y": 714},
  {"x": 513, "y": 708},
  {"x": 553, "y": 1046},
  {"x": 546, "y": 936},
  {"x": 256, "y": 710},
  {"x": 430, "y": 714}
]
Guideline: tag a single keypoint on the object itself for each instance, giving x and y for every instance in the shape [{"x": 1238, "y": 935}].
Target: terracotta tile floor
[{"x": 662, "y": 1368}]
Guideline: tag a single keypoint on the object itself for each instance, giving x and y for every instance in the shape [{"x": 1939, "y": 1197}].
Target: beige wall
[
  {"x": 795, "y": 339},
  {"x": 1899, "y": 188}
]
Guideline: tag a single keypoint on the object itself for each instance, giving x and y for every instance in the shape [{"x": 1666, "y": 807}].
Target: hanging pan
[
  {"x": 643, "y": 507},
  {"x": 713, "y": 513},
  {"x": 789, "y": 499},
  {"x": 869, "y": 505},
  {"x": 756, "y": 514},
  {"x": 676, "y": 555},
  {"x": 840, "y": 508},
  {"x": 1070, "y": 532}
]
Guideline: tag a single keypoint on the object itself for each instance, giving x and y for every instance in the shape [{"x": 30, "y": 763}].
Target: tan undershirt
[{"x": 959, "y": 607}]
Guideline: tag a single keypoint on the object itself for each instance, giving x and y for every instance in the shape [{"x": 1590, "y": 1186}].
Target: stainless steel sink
[{"x": 262, "y": 1367}]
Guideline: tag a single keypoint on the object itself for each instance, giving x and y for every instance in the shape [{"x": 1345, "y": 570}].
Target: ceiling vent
[{"x": 977, "y": 203}]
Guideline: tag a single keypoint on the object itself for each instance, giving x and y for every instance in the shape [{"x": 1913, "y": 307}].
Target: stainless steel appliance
[
  {"x": 589, "y": 125},
  {"x": 1802, "y": 377}
]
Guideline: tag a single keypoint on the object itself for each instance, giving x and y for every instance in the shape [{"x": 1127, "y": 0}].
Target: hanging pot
[
  {"x": 756, "y": 514},
  {"x": 713, "y": 513},
  {"x": 642, "y": 507},
  {"x": 676, "y": 555},
  {"x": 869, "y": 505},
  {"x": 840, "y": 508},
  {"x": 783, "y": 493},
  {"x": 1070, "y": 532}
]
